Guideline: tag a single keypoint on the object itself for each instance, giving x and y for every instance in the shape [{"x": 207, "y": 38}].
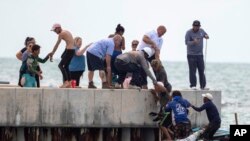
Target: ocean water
[{"x": 233, "y": 79}]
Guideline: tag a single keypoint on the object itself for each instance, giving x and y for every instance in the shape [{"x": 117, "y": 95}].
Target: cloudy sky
[{"x": 226, "y": 21}]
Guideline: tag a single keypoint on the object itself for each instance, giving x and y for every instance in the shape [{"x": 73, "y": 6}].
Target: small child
[{"x": 28, "y": 78}]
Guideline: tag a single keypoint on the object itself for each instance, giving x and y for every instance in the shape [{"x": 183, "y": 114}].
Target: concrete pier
[{"x": 88, "y": 108}]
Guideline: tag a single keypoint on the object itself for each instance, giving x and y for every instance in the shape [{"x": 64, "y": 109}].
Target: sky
[{"x": 227, "y": 22}]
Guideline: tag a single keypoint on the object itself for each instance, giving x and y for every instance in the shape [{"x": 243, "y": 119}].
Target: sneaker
[
  {"x": 193, "y": 88},
  {"x": 105, "y": 85},
  {"x": 91, "y": 85}
]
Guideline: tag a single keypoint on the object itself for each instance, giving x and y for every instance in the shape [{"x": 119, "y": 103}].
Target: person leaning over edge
[
  {"x": 154, "y": 40},
  {"x": 135, "y": 62},
  {"x": 194, "y": 41},
  {"x": 98, "y": 54}
]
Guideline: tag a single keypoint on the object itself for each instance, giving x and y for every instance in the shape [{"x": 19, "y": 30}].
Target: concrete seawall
[{"x": 52, "y": 107}]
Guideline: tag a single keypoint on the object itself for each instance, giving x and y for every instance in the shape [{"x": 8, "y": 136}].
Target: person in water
[{"x": 212, "y": 115}]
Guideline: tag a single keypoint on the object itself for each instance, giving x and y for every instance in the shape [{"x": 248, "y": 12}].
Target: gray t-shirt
[
  {"x": 192, "y": 48},
  {"x": 25, "y": 55},
  {"x": 137, "y": 57}
]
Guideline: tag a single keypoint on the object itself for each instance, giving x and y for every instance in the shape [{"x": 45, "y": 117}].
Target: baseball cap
[
  {"x": 208, "y": 95},
  {"x": 196, "y": 23},
  {"x": 55, "y": 26}
]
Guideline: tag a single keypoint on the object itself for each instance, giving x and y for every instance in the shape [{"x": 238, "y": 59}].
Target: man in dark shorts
[
  {"x": 98, "y": 54},
  {"x": 67, "y": 54}
]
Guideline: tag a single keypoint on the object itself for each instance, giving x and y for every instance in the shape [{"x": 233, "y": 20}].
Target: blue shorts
[{"x": 30, "y": 81}]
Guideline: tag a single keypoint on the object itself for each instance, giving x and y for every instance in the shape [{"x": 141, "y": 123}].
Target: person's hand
[
  {"x": 196, "y": 41},
  {"x": 153, "y": 91},
  {"x": 159, "y": 88},
  {"x": 206, "y": 37},
  {"x": 51, "y": 56},
  {"x": 40, "y": 75},
  {"x": 154, "y": 46}
]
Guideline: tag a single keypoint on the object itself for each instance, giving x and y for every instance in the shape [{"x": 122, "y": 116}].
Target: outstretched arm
[
  {"x": 157, "y": 53},
  {"x": 206, "y": 36},
  {"x": 57, "y": 44},
  {"x": 82, "y": 50},
  {"x": 147, "y": 40},
  {"x": 199, "y": 109},
  {"x": 45, "y": 59},
  {"x": 19, "y": 55}
]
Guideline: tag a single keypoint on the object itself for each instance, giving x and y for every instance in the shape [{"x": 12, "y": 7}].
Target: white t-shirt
[{"x": 153, "y": 35}]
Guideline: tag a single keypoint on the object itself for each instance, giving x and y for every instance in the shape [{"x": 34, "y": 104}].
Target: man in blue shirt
[
  {"x": 194, "y": 41},
  {"x": 98, "y": 54},
  {"x": 212, "y": 115},
  {"x": 179, "y": 107}
]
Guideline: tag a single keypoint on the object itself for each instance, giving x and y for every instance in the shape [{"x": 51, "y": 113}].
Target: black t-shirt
[{"x": 23, "y": 49}]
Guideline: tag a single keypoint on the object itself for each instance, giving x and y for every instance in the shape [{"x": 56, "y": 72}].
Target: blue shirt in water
[
  {"x": 211, "y": 110},
  {"x": 179, "y": 107},
  {"x": 77, "y": 62},
  {"x": 102, "y": 47}
]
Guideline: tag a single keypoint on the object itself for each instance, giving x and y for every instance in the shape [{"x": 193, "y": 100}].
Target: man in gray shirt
[
  {"x": 135, "y": 62},
  {"x": 194, "y": 41}
]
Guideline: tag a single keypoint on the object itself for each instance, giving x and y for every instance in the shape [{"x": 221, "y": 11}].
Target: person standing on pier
[
  {"x": 28, "y": 78},
  {"x": 98, "y": 54},
  {"x": 67, "y": 54},
  {"x": 20, "y": 56},
  {"x": 117, "y": 51},
  {"x": 194, "y": 41},
  {"x": 154, "y": 40},
  {"x": 77, "y": 64}
]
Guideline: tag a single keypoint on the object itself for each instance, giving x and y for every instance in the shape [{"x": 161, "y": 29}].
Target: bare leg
[
  {"x": 165, "y": 132},
  {"x": 102, "y": 76},
  {"x": 90, "y": 76}
]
